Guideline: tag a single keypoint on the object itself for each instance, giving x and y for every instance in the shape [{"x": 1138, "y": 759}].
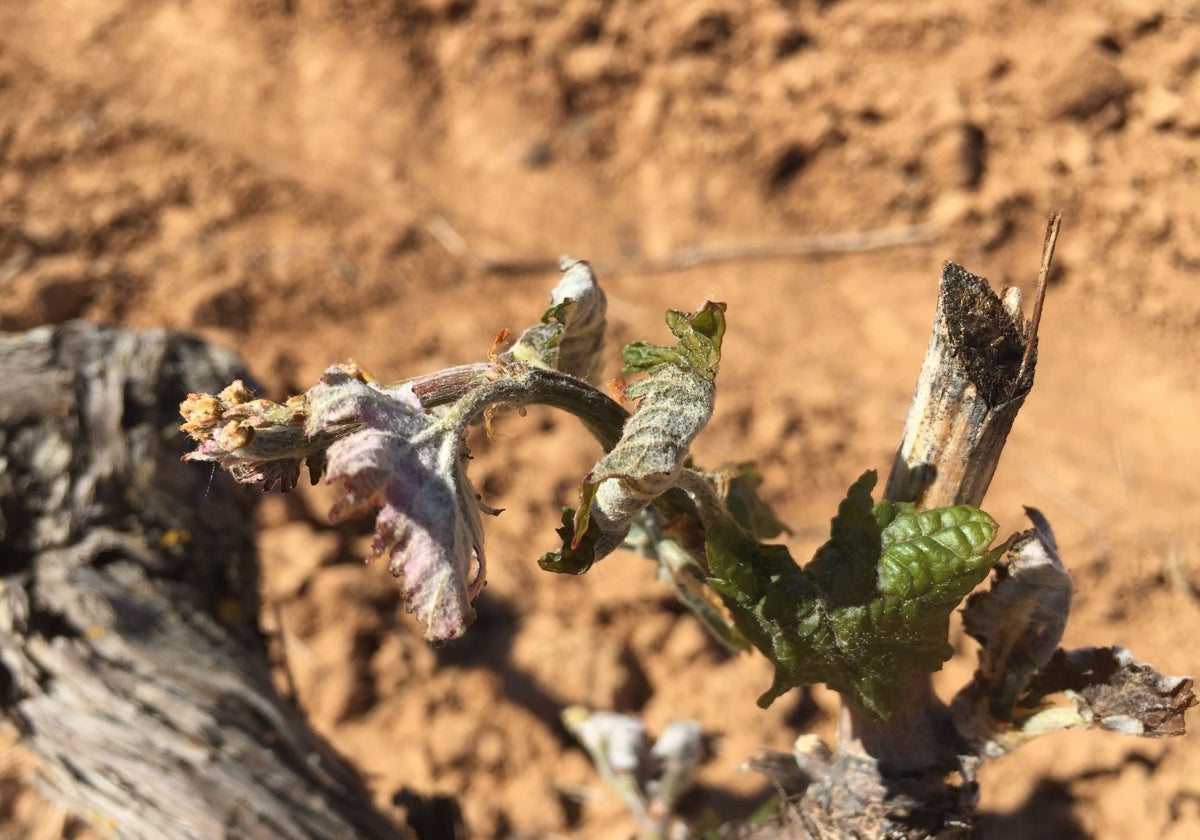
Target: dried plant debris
[
  {"x": 257, "y": 441},
  {"x": 988, "y": 338},
  {"x": 1114, "y": 691},
  {"x": 1020, "y": 620},
  {"x": 1109, "y": 689},
  {"x": 1019, "y": 623}
]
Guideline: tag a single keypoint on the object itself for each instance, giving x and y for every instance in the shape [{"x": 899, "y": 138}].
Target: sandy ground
[{"x": 312, "y": 180}]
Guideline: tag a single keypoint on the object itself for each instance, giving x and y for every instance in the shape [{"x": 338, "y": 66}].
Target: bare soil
[{"x": 313, "y": 180}]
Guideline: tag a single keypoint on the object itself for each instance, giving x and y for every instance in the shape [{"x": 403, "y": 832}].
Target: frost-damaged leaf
[
  {"x": 872, "y": 604},
  {"x": 1020, "y": 620},
  {"x": 1114, "y": 691},
  {"x": 677, "y": 399},
  {"x": 409, "y": 465},
  {"x": 570, "y": 337},
  {"x": 1110, "y": 690},
  {"x": 1019, "y": 624},
  {"x": 259, "y": 441}
]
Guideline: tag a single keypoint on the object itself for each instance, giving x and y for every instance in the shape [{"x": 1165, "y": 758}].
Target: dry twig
[{"x": 693, "y": 256}]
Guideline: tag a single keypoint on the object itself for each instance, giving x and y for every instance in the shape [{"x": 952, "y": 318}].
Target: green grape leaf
[
  {"x": 870, "y": 608},
  {"x": 844, "y": 567},
  {"x": 570, "y": 337},
  {"x": 579, "y": 548},
  {"x": 641, "y": 355},
  {"x": 698, "y": 349}
]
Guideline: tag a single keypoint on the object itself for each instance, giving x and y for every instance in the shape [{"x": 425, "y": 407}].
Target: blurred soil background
[{"x": 312, "y": 180}]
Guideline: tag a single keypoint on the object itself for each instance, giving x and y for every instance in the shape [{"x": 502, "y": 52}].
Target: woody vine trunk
[{"x": 131, "y": 659}]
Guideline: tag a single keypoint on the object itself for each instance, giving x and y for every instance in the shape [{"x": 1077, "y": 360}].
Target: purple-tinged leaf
[{"x": 408, "y": 464}]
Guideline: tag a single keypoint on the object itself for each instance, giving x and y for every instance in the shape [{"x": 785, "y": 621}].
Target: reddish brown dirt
[{"x": 280, "y": 176}]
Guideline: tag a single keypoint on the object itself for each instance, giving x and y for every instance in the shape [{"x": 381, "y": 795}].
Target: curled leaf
[
  {"x": 677, "y": 398},
  {"x": 409, "y": 465},
  {"x": 1020, "y": 621},
  {"x": 570, "y": 337}
]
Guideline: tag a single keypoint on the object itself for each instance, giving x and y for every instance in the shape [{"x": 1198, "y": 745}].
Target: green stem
[{"x": 477, "y": 387}]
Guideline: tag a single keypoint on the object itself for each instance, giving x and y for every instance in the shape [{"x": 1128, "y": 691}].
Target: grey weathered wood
[
  {"x": 977, "y": 371},
  {"x": 130, "y": 655}
]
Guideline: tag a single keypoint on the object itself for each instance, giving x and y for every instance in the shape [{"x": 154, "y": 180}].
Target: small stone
[
  {"x": 1155, "y": 220},
  {"x": 593, "y": 64},
  {"x": 1086, "y": 85},
  {"x": 1189, "y": 115},
  {"x": 491, "y": 749},
  {"x": 950, "y": 209},
  {"x": 1077, "y": 151}
]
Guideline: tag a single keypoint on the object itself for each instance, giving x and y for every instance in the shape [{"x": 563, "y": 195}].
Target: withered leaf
[{"x": 408, "y": 465}]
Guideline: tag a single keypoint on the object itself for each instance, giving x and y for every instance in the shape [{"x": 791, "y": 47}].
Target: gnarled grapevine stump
[{"x": 130, "y": 655}]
